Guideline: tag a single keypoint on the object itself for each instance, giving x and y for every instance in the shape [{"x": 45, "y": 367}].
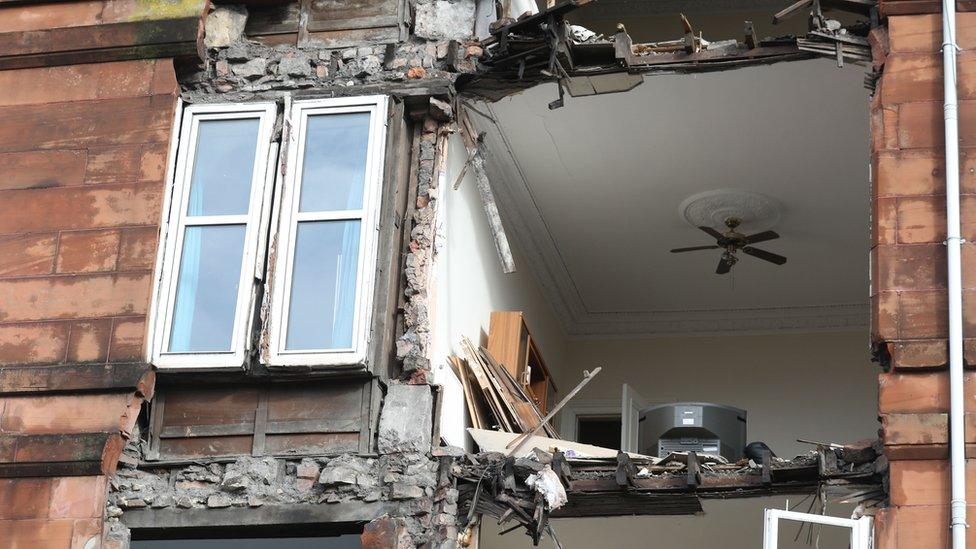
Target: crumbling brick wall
[
  {"x": 909, "y": 301},
  {"x": 83, "y": 152}
]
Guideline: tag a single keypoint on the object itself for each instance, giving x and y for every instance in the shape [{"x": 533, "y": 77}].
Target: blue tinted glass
[
  {"x": 223, "y": 166},
  {"x": 323, "y": 292},
  {"x": 206, "y": 291},
  {"x": 334, "y": 166}
]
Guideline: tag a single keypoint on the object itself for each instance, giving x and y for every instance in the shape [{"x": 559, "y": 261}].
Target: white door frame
[
  {"x": 570, "y": 414},
  {"x": 862, "y": 530}
]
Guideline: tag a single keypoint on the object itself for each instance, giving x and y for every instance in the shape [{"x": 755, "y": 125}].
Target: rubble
[
  {"x": 224, "y": 25},
  {"x": 530, "y": 490},
  {"x": 408, "y": 478}
]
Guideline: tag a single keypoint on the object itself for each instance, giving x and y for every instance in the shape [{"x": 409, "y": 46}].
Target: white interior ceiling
[{"x": 592, "y": 192}]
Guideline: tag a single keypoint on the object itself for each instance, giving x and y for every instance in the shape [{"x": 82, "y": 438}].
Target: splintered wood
[{"x": 494, "y": 399}]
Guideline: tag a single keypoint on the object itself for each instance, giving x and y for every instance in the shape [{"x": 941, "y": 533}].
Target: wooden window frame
[
  {"x": 175, "y": 223},
  {"x": 287, "y": 221}
]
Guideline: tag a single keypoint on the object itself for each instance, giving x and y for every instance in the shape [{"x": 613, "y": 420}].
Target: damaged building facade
[{"x": 398, "y": 273}]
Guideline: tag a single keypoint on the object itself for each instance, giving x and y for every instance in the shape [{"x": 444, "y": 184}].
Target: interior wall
[
  {"x": 816, "y": 386},
  {"x": 469, "y": 284},
  {"x": 728, "y": 524}
]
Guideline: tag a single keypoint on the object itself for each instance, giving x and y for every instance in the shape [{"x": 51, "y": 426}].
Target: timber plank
[{"x": 628, "y": 504}]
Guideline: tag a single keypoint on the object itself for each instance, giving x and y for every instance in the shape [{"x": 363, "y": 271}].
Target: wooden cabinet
[{"x": 512, "y": 345}]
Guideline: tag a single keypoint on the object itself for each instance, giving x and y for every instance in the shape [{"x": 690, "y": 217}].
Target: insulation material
[{"x": 547, "y": 483}]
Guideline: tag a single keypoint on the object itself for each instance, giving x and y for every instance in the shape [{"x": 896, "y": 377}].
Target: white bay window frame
[
  {"x": 174, "y": 229},
  {"x": 289, "y": 216}
]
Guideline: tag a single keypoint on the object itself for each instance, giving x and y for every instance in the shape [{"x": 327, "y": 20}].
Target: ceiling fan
[{"x": 733, "y": 241}]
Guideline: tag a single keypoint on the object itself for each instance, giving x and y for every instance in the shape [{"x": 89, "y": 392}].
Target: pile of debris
[
  {"x": 528, "y": 488},
  {"x": 523, "y": 490},
  {"x": 544, "y": 47}
]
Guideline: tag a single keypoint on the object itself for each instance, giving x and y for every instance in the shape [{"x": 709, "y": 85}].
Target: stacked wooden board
[{"x": 494, "y": 399}]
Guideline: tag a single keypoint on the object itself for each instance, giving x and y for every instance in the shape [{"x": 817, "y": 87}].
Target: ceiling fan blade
[
  {"x": 761, "y": 237},
  {"x": 724, "y": 266},
  {"x": 694, "y": 248},
  {"x": 764, "y": 255},
  {"x": 712, "y": 232}
]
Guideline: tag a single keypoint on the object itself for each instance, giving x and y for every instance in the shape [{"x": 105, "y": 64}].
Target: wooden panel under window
[
  {"x": 327, "y": 15},
  {"x": 328, "y": 417},
  {"x": 329, "y": 23},
  {"x": 337, "y": 23}
]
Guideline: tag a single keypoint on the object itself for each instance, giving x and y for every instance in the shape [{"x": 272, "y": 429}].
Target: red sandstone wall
[
  {"x": 909, "y": 275},
  {"x": 83, "y": 152}
]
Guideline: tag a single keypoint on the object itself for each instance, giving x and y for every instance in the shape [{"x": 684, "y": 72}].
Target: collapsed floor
[{"x": 527, "y": 491}]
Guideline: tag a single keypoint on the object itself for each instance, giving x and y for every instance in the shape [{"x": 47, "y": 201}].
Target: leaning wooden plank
[
  {"x": 523, "y": 408},
  {"x": 491, "y": 210},
  {"x": 505, "y": 374},
  {"x": 494, "y": 391},
  {"x": 500, "y": 396},
  {"x": 587, "y": 376},
  {"x": 477, "y": 416},
  {"x": 485, "y": 386},
  {"x": 504, "y": 397}
]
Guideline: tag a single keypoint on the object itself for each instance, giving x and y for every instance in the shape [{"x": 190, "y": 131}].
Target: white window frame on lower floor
[
  {"x": 288, "y": 217},
  {"x": 862, "y": 530},
  {"x": 175, "y": 223}
]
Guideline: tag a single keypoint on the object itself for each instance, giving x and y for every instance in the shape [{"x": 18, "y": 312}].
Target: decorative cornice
[{"x": 532, "y": 235}]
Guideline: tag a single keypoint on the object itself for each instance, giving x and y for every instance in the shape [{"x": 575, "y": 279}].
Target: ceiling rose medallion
[
  {"x": 733, "y": 209},
  {"x": 755, "y": 211}
]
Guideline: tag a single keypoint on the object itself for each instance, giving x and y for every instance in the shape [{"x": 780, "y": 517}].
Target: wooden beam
[
  {"x": 767, "y": 476},
  {"x": 76, "y": 377},
  {"x": 622, "y": 503},
  {"x": 693, "y": 479}
]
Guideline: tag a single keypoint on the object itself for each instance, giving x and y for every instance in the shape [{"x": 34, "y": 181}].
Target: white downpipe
[{"x": 957, "y": 441}]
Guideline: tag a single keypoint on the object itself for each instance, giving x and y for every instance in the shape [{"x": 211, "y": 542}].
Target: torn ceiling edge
[
  {"x": 545, "y": 48},
  {"x": 509, "y": 489}
]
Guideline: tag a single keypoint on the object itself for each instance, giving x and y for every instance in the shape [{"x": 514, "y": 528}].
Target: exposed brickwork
[
  {"x": 909, "y": 274},
  {"x": 412, "y": 346}
]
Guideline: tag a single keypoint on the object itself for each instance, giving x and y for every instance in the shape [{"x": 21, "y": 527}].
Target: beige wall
[
  {"x": 726, "y": 524},
  {"x": 819, "y": 386}
]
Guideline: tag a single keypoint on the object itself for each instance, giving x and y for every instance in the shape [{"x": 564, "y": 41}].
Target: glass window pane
[
  {"x": 323, "y": 285},
  {"x": 206, "y": 292},
  {"x": 334, "y": 167},
  {"x": 223, "y": 167}
]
